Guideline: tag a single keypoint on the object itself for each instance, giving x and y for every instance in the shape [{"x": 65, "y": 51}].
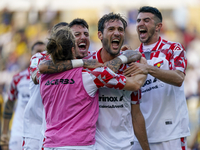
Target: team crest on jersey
[
  {"x": 158, "y": 64},
  {"x": 34, "y": 62}
]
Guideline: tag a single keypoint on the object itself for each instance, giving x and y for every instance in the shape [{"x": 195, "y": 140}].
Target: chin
[{"x": 142, "y": 41}]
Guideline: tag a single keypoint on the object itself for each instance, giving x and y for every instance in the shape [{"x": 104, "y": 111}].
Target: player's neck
[
  {"x": 105, "y": 56},
  {"x": 154, "y": 39}
]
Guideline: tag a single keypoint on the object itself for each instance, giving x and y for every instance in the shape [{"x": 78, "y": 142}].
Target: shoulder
[
  {"x": 25, "y": 72},
  {"x": 35, "y": 59},
  {"x": 39, "y": 55},
  {"x": 91, "y": 56},
  {"x": 17, "y": 77},
  {"x": 174, "y": 46}
]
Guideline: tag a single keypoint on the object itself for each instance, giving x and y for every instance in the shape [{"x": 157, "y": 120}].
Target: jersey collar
[{"x": 155, "y": 47}]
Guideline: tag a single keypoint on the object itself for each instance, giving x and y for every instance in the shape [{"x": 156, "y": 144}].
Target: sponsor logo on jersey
[
  {"x": 111, "y": 106},
  {"x": 62, "y": 81},
  {"x": 149, "y": 89},
  {"x": 109, "y": 99},
  {"x": 147, "y": 82},
  {"x": 158, "y": 64},
  {"x": 168, "y": 122},
  {"x": 25, "y": 95}
]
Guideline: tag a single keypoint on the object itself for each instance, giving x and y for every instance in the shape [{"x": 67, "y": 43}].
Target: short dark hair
[
  {"x": 79, "y": 21},
  {"x": 152, "y": 10},
  {"x": 60, "y": 24},
  {"x": 37, "y": 43},
  {"x": 108, "y": 17}
]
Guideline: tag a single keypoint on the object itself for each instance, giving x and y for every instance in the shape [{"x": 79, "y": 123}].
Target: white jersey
[
  {"x": 163, "y": 105},
  {"x": 114, "y": 126},
  {"x": 19, "y": 91},
  {"x": 33, "y": 113},
  {"x": 34, "y": 110}
]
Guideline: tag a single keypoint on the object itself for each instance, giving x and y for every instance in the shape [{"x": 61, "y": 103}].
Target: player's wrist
[
  {"x": 77, "y": 63},
  {"x": 123, "y": 58}
]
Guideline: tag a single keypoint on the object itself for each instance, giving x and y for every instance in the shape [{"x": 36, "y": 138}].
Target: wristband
[
  {"x": 77, "y": 63},
  {"x": 123, "y": 58}
]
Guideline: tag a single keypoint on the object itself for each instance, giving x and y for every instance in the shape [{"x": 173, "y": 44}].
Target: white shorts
[
  {"x": 15, "y": 143},
  {"x": 177, "y": 144},
  {"x": 31, "y": 144}
]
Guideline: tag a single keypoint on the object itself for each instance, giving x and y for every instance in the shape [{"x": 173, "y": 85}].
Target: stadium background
[{"x": 22, "y": 22}]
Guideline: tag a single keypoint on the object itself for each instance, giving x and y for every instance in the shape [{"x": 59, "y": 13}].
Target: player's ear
[
  {"x": 158, "y": 26},
  {"x": 100, "y": 35}
]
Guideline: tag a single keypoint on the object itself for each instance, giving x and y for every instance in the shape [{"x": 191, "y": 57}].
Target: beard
[
  {"x": 107, "y": 47},
  {"x": 150, "y": 35}
]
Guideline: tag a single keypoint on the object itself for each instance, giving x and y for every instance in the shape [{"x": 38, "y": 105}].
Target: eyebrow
[{"x": 144, "y": 18}]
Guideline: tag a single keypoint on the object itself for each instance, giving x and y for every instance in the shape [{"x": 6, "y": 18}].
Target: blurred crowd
[{"x": 18, "y": 31}]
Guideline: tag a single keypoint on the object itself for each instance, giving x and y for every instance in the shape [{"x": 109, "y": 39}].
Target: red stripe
[
  {"x": 183, "y": 143},
  {"x": 23, "y": 144}
]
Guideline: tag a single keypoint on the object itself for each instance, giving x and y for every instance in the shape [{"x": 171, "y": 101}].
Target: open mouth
[
  {"x": 142, "y": 32},
  {"x": 115, "y": 43},
  {"x": 82, "y": 46}
]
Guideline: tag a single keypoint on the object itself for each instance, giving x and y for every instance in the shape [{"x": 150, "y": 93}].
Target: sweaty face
[
  {"x": 113, "y": 36},
  {"x": 82, "y": 42},
  {"x": 38, "y": 48},
  {"x": 146, "y": 27}
]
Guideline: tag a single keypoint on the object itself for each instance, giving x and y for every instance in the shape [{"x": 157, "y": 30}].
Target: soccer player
[
  {"x": 70, "y": 99},
  {"x": 33, "y": 118},
  {"x": 80, "y": 30},
  {"x": 33, "y": 113},
  {"x": 19, "y": 90},
  {"x": 163, "y": 100},
  {"x": 119, "y": 110}
]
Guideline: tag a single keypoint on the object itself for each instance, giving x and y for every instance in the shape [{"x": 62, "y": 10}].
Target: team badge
[
  {"x": 34, "y": 62},
  {"x": 158, "y": 64}
]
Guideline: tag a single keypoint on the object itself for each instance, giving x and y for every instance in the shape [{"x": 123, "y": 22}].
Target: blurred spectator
[{"x": 6, "y": 17}]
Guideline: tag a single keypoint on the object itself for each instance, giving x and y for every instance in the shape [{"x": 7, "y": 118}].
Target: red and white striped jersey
[
  {"x": 172, "y": 52},
  {"x": 35, "y": 60},
  {"x": 114, "y": 125},
  {"x": 163, "y": 105},
  {"x": 19, "y": 90}
]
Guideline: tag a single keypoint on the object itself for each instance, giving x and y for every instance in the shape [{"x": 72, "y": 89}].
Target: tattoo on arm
[
  {"x": 114, "y": 64},
  {"x": 91, "y": 63},
  {"x": 49, "y": 67},
  {"x": 8, "y": 110}
]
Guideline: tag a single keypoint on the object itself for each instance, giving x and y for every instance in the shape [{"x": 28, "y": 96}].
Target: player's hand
[
  {"x": 143, "y": 60},
  {"x": 126, "y": 47},
  {"x": 92, "y": 63},
  {"x": 132, "y": 55},
  {"x": 136, "y": 68}
]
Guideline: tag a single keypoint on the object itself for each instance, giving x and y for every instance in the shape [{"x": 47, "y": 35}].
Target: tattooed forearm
[
  {"x": 114, "y": 64},
  {"x": 92, "y": 63},
  {"x": 8, "y": 110},
  {"x": 132, "y": 55},
  {"x": 47, "y": 66}
]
